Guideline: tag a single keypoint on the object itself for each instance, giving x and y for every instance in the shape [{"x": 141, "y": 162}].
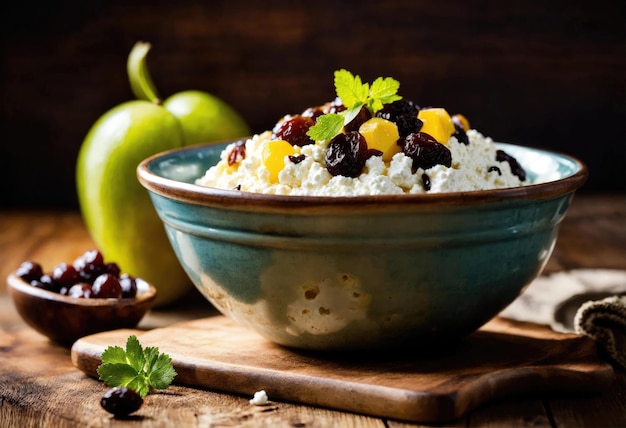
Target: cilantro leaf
[
  {"x": 163, "y": 373},
  {"x": 326, "y": 127},
  {"x": 136, "y": 368}
]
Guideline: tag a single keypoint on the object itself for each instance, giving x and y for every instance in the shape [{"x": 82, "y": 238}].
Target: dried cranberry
[
  {"x": 516, "y": 168},
  {"x": 362, "y": 116},
  {"x": 346, "y": 154},
  {"x": 121, "y": 401},
  {"x": 29, "y": 271},
  {"x": 425, "y": 151},
  {"x": 107, "y": 286},
  {"x": 294, "y": 130},
  {"x": 129, "y": 285}
]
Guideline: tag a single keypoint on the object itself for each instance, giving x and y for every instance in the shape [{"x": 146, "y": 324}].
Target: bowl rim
[
  {"x": 211, "y": 196},
  {"x": 17, "y": 284}
]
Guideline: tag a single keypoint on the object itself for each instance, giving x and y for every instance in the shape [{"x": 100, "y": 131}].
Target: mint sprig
[
  {"x": 354, "y": 94},
  {"x": 136, "y": 368}
]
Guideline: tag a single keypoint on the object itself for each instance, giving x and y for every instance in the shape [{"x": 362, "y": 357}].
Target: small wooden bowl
[{"x": 65, "y": 319}]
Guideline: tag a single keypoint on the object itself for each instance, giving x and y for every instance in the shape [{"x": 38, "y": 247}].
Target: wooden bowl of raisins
[{"x": 74, "y": 300}]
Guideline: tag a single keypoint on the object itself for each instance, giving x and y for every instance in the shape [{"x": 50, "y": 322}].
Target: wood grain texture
[
  {"x": 547, "y": 75},
  {"x": 39, "y": 386},
  {"x": 417, "y": 384}
]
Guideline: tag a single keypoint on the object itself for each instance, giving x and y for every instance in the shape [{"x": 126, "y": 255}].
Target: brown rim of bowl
[
  {"x": 235, "y": 199},
  {"x": 23, "y": 287}
]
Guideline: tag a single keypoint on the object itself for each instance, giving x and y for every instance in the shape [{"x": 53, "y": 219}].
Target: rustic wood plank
[
  {"x": 518, "y": 412},
  {"x": 605, "y": 410},
  {"x": 503, "y": 358},
  {"x": 40, "y": 387}
]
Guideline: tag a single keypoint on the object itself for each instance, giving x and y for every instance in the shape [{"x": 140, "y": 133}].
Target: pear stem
[{"x": 138, "y": 75}]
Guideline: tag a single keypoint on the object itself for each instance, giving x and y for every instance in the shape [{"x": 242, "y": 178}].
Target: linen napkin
[{"x": 591, "y": 302}]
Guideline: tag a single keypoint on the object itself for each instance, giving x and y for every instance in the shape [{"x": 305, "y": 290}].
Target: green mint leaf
[
  {"x": 383, "y": 91},
  {"x": 326, "y": 127},
  {"x": 116, "y": 374},
  {"x": 136, "y": 368},
  {"x": 350, "y": 88}
]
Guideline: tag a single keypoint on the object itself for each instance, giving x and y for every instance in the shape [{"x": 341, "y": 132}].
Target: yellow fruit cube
[
  {"x": 437, "y": 123},
  {"x": 461, "y": 120},
  {"x": 273, "y": 156},
  {"x": 381, "y": 134}
]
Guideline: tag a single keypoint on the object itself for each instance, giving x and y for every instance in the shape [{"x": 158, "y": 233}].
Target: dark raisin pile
[
  {"x": 87, "y": 277},
  {"x": 347, "y": 152}
]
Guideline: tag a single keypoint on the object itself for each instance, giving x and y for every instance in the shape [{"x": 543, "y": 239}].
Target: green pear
[
  {"x": 205, "y": 117},
  {"x": 116, "y": 209}
]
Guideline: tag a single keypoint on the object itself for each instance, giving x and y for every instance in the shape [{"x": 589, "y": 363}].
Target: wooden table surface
[{"x": 49, "y": 391}]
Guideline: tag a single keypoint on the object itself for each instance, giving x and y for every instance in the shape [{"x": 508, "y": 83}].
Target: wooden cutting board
[{"x": 417, "y": 385}]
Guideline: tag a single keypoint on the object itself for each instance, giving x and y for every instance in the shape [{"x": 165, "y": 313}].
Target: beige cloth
[
  {"x": 605, "y": 322},
  {"x": 584, "y": 301}
]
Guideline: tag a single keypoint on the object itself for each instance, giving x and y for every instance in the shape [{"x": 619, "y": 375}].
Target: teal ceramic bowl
[{"x": 365, "y": 272}]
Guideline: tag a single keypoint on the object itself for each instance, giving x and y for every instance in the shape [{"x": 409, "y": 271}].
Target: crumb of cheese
[{"x": 260, "y": 399}]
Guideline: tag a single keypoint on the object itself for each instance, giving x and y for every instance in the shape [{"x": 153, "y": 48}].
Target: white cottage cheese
[{"x": 471, "y": 169}]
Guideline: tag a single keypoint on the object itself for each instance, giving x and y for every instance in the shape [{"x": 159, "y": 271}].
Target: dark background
[{"x": 540, "y": 73}]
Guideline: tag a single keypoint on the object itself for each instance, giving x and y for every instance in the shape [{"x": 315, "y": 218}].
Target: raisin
[
  {"x": 373, "y": 152},
  {"x": 294, "y": 130},
  {"x": 334, "y": 106},
  {"x": 129, "y": 285},
  {"x": 46, "y": 282},
  {"x": 425, "y": 151},
  {"x": 82, "y": 290},
  {"x": 494, "y": 169},
  {"x": 297, "y": 158},
  {"x": 362, "y": 116},
  {"x": 516, "y": 168},
  {"x": 313, "y": 112},
  {"x": 107, "y": 286},
  {"x": 404, "y": 114},
  {"x": 113, "y": 269},
  {"x": 237, "y": 152},
  {"x": 29, "y": 271},
  {"x": 65, "y": 275},
  {"x": 346, "y": 154},
  {"x": 121, "y": 401},
  {"x": 426, "y": 181},
  {"x": 459, "y": 133},
  {"x": 398, "y": 108},
  {"x": 90, "y": 265}
]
